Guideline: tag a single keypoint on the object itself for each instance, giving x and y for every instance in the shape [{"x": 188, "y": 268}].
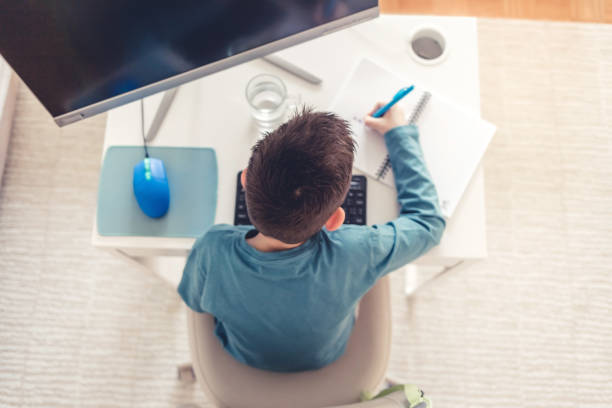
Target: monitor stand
[
  {"x": 292, "y": 69},
  {"x": 169, "y": 95},
  {"x": 160, "y": 114}
]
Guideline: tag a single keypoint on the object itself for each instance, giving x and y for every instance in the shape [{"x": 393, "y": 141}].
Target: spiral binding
[
  {"x": 385, "y": 166},
  {"x": 420, "y": 107}
]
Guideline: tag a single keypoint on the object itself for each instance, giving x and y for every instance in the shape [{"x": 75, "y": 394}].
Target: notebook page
[
  {"x": 365, "y": 85},
  {"x": 453, "y": 140}
]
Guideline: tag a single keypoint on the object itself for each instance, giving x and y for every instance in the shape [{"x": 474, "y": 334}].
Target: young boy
[{"x": 284, "y": 292}]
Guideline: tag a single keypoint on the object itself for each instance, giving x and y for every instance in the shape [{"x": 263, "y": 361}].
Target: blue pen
[{"x": 398, "y": 97}]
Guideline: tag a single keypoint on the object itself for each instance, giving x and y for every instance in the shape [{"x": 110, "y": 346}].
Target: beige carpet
[{"x": 529, "y": 327}]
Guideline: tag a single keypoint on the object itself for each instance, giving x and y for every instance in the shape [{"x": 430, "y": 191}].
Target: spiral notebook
[{"x": 453, "y": 139}]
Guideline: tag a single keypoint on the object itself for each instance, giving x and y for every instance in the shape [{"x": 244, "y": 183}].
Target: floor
[
  {"x": 595, "y": 11},
  {"x": 528, "y": 327}
]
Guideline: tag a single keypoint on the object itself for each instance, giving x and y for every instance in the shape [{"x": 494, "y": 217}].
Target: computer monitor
[{"x": 81, "y": 58}]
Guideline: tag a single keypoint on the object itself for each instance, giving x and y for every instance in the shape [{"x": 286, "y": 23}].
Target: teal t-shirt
[{"x": 294, "y": 310}]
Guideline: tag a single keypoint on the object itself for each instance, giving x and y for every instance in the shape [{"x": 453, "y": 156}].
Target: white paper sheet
[{"x": 453, "y": 139}]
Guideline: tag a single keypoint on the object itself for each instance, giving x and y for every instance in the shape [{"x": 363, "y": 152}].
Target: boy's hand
[{"x": 394, "y": 117}]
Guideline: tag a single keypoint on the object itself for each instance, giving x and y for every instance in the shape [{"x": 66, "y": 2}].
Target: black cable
[{"x": 144, "y": 139}]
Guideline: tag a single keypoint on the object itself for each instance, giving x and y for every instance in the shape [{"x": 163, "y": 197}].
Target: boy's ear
[
  {"x": 336, "y": 220},
  {"x": 243, "y": 178}
]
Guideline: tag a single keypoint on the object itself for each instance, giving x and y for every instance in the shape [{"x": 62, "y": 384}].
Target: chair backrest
[{"x": 229, "y": 383}]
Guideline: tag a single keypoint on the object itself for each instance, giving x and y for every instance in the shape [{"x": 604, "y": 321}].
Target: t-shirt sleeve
[
  {"x": 420, "y": 224},
  {"x": 191, "y": 287}
]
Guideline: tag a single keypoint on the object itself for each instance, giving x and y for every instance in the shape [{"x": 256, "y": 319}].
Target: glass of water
[{"x": 269, "y": 101}]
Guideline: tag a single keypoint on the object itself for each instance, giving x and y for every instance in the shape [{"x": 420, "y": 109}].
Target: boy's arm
[
  {"x": 420, "y": 225},
  {"x": 191, "y": 287}
]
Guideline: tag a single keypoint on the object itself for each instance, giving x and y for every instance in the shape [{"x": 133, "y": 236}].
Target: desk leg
[
  {"x": 125, "y": 257},
  {"x": 418, "y": 276},
  {"x": 167, "y": 268}
]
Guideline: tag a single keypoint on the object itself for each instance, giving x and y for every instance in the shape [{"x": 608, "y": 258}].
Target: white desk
[{"x": 213, "y": 112}]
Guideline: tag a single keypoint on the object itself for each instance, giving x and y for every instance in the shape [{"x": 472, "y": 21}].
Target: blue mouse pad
[{"x": 192, "y": 179}]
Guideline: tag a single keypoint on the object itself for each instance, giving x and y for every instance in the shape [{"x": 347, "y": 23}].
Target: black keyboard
[{"x": 354, "y": 205}]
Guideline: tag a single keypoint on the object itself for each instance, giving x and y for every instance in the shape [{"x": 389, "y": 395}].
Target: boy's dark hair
[{"x": 298, "y": 175}]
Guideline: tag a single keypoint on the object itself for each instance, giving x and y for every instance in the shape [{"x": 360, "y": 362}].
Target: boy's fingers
[
  {"x": 369, "y": 120},
  {"x": 376, "y": 107},
  {"x": 374, "y": 123}
]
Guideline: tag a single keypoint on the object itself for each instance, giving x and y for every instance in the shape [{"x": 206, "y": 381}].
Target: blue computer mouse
[{"x": 151, "y": 187}]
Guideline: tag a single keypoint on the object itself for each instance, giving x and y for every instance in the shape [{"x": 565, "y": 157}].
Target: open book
[{"x": 453, "y": 139}]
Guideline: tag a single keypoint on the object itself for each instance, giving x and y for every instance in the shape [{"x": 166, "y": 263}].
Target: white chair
[{"x": 229, "y": 383}]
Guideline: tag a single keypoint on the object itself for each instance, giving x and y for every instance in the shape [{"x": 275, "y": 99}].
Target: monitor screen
[{"x": 74, "y": 54}]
